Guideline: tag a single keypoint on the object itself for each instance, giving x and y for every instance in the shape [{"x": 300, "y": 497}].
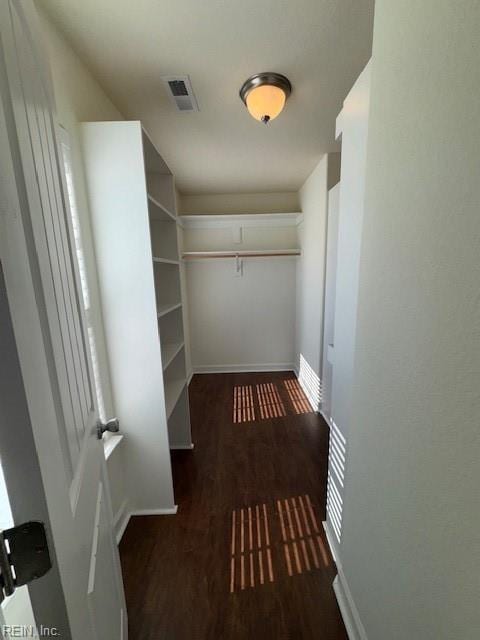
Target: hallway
[{"x": 257, "y": 453}]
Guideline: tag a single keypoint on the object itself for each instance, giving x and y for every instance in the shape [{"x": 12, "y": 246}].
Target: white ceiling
[{"x": 321, "y": 45}]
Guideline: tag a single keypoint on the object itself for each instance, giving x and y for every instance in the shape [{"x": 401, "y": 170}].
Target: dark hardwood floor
[{"x": 178, "y": 569}]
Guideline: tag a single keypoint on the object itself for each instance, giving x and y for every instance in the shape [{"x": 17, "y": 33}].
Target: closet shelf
[
  {"x": 169, "y": 351},
  {"x": 258, "y": 253},
  {"x": 158, "y": 211},
  {"x": 165, "y": 260},
  {"x": 163, "y": 309},
  {"x": 173, "y": 391}
]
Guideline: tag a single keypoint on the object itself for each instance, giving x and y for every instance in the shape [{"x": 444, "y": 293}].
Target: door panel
[
  {"x": 39, "y": 154},
  {"x": 103, "y": 603},
  {"x": 69, "y": 454}
]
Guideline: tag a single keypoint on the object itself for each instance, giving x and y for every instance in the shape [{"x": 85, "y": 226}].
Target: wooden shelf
[
  {"x": 169, "y": 351},
  {"x": 166, "y": 308},
  {"x": 258, "y": 253},
  {"x": 165, "y": 261},
  {"x": 173, "y": 391},
  {"x": 158, "y": 212}
]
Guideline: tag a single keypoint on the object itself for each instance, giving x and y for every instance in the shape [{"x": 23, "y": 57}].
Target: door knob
[{"x": 112, "y": 425}]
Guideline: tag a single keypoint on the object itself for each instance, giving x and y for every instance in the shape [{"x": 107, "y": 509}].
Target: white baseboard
[
  {"x": 331, "y": 542},
  {"x": 181, "y": 447},
  {"x": 324, "y": 415},
  {"x": 120, "y": 520},
  {"x": 348, "y": 609},
  {"x": 244, "y": 368},
  {"x": 155, "y": 512},
  {"x": 123, "y": 523},
  {"x": 189, "y": 377}
]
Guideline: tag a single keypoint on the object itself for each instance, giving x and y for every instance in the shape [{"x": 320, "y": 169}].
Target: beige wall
[
  {"x": 410, "y": 548},
  {"x": 78, "y": 95},
  {"x": 284, "y": 202}
]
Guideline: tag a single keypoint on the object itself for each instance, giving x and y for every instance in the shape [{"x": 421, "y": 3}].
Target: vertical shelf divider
[{"x": 134, "y": 222}]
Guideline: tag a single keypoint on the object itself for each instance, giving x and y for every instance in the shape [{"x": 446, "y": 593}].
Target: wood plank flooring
[{"x": 178, "y": 569}]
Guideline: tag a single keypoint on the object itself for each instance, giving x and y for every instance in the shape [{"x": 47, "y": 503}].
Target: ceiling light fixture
[{"x": 265, "y": 94}]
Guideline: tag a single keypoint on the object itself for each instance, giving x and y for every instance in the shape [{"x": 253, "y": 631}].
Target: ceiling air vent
[{"x": 180, "y": 91}]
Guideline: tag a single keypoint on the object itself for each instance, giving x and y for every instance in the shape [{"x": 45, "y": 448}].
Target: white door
[
  {"x": 42, "y": 303},
  {"x": 330, "y": 286}
]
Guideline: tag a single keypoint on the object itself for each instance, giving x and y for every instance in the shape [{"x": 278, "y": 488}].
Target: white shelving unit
[
  {"x": 169, "y": 351},
  {"x": 134, "y": 219},
  {"x": 165, "y": 260},
  {"x": 162, "y": 310}
]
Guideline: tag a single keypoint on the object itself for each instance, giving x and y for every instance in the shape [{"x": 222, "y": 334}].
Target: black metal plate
[{"x": 29, "y": 553}]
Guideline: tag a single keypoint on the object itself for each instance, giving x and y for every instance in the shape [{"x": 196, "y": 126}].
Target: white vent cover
[{"x": 180, "y": 91}]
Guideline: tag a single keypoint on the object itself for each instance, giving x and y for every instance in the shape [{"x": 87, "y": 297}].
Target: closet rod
[{"x": 241, "y": 254}]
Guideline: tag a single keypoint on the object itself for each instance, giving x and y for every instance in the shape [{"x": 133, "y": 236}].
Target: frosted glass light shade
[
  {"x": 264, "y": 95},
  {"x": 265, "y": 102}
]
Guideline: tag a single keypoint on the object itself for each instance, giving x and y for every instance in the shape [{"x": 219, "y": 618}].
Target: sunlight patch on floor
[
  {"x": 261, "y": 532},
  {"x": 297, "y": 397},
  {"x": 302, "y": 543},
  {"x": 251, "y": 555},
  {"x": 243, "y": 406},
  {"x": 271, "y": 404}
]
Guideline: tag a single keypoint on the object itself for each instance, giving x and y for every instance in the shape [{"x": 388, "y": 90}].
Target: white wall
[
  {"x": 329, "y": 302},
  {"x": 310, "y": 280},
  {"x": 352, "y": 125},
  {"x": 243, "y": 322},
  {"x": 410, "y": 548},
  {"x": 116, "y": 468},
  {"x": 352, "y": 128}
]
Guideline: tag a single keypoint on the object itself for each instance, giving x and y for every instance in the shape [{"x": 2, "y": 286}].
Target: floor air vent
[{"x": 181, "y": 93}]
